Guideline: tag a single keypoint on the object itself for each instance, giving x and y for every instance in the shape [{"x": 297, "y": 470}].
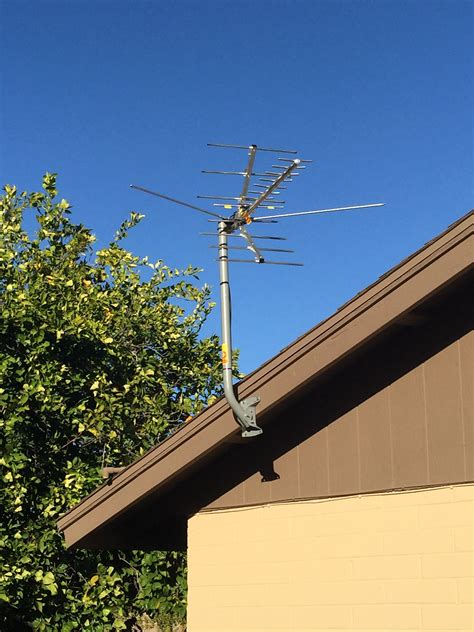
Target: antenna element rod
[
  {"x": 170, "y": 199},
  {"x": 322, "y": 210}
]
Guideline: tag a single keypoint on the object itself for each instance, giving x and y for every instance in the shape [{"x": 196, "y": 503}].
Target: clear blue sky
[{"x": 378, "y": 94}]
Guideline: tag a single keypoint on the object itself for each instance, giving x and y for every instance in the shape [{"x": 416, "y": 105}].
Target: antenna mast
[
  {"x": 235, "y": 225},
  {"x": 244, "y": 410}
]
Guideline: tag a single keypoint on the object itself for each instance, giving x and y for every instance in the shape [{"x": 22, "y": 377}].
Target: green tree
[{"x": 100, "y": 359}]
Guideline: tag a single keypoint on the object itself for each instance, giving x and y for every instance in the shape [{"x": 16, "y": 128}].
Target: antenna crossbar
[
  {"x": 290, "y": 160},
  {"x": 266, "y": 262},
  {"x": 276, "y": 151},
  {"x": 270, "y": 205},
  {"x": 263, "y": 186},
  {"x": 247, "y": 197},
  {"x": 225, "y": 173},
  {"x": 261, "y": 249},
  {"x": 254, "y": 236}
]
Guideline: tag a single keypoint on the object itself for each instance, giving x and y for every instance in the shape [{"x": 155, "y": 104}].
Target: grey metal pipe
[{"x": 244, "y": 411}]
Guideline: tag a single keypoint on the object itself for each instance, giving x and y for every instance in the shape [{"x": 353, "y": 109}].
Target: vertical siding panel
[
  {"x": 408, "y": 430},
  {"x": 313, "y": 460},
  {"x": 286, "y": 486},
  {"x": 443, "y": 405},
  {"x": 374, "y": 433},
  {"x": 466, "y": 354},
  {"x": 344, "y": 455},
  {"x": 234, "y": 497},
  {"x": 256, "y": 491}
]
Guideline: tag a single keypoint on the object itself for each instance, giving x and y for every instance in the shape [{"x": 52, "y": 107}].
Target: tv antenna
[{"x": 259, "y": 192}]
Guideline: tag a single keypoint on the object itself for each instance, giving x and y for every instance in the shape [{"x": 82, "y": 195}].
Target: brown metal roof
[{"x": 394, "y": 295}]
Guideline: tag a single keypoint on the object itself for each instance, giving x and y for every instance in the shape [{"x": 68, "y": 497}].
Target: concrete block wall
[{"x": 378, "y": 562}]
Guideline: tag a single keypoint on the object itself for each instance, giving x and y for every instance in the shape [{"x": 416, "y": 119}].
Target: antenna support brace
[
  {"x": 249, "y": 421},
  {"x": 244, "y": 411}
]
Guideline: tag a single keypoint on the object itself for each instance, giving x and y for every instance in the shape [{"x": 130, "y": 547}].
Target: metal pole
[{"x": 244, "y": 411}]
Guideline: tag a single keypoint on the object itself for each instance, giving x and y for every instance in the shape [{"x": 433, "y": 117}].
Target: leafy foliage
[{"x": 100, "y": 359}]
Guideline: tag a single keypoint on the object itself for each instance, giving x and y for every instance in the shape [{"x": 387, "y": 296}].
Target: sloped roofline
[{"x": 421, "y": 275}]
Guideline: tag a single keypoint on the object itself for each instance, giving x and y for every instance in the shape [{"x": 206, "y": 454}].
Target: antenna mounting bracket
[{"x": 250, "y": 429}]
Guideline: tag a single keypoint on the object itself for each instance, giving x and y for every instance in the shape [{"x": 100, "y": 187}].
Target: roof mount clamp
[{"x": 249, "y": 424}]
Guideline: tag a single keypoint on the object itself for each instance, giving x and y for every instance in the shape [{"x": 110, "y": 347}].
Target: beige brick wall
[{"x": 379, "y": 562}]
